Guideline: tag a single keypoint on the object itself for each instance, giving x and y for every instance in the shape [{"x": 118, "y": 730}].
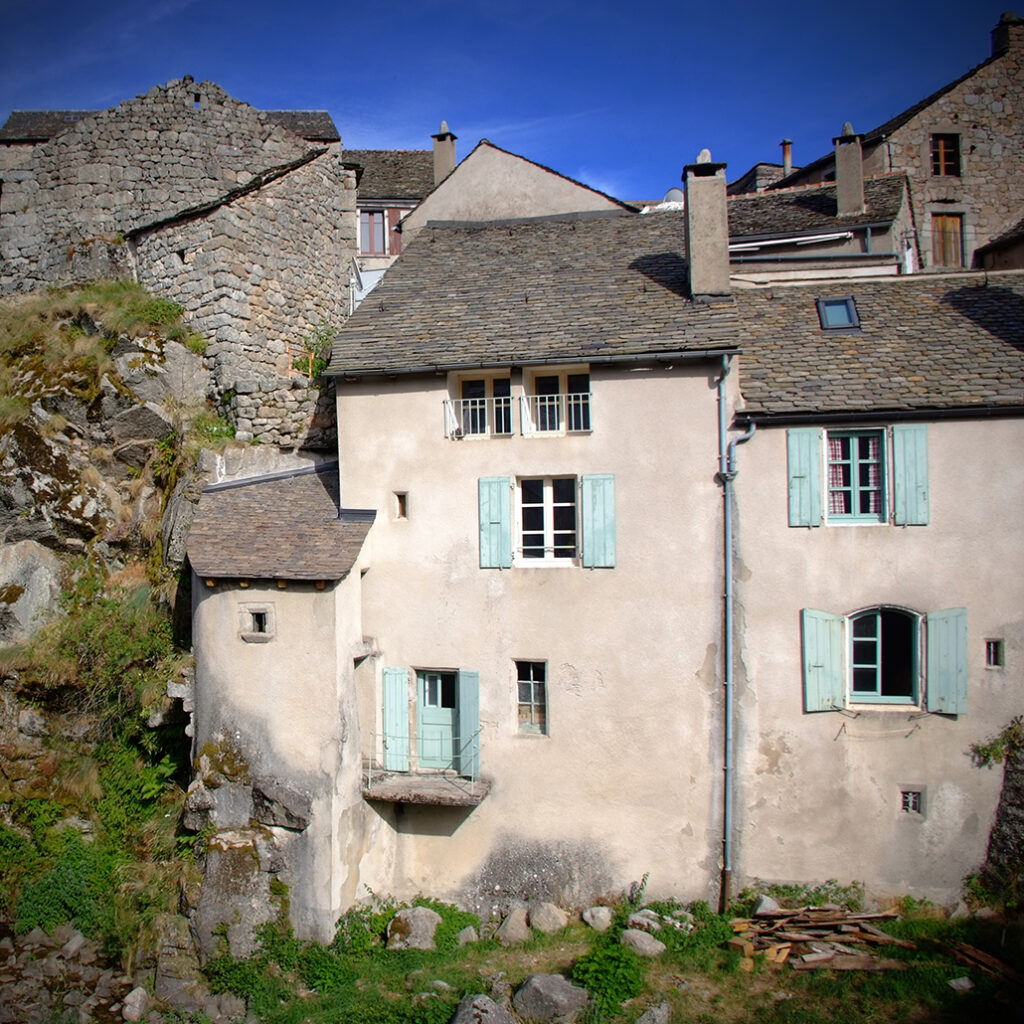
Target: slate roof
[
  {"x": 812, "y": 208},
  {"x": 282, "y": 526},
  {"x": 927, "y": 342},
  {"x": 311, "y": 125},
  {"x": 393, "y": 173},
  {"x": 39, "y": 125},
  {"x": 590, "y": 287}
]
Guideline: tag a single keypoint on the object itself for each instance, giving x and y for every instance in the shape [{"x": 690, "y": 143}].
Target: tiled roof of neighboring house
[
  {"x": 926, "y": 342},
  {"x": 812, "y": 207},
  {"x": 1011, "y": 236},
  {"x": 283, "y": 526},
  {"x": 757, "y": 177},
  {"x": 393, "y": 173},
  {"x": 39, "y": 125},
  {"x": 591, "y": 288},
  {"x": 312, "y": 125},
  {"x": 886, "y": 129}
]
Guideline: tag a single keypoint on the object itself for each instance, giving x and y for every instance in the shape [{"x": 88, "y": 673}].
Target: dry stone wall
[{"x": 207, "y": 202}]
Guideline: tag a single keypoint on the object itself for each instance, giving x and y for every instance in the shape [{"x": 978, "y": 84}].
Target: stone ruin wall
[
  {"x": 248, "y": 226},
  {"x": 256, "y": 276}
]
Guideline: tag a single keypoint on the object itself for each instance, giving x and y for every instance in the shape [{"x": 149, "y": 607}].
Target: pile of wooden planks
[{"x": 813, "y": 937}]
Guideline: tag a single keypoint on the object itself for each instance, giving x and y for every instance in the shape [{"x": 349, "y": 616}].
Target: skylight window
[{"x": 838, "y": 314}]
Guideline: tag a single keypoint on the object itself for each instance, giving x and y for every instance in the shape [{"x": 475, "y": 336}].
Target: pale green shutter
[
  {"x": 947, "y": 661},
  {"x": 910, "y": 473},
  {"x": 396, "y": 720},
  {"x": 803, "y": 450},
  {"x": 495, "y": 522},
  {"x": 597, "y": 520},
  {"x": 468, "y": 744},
  {"x": 823, "y": 660}
]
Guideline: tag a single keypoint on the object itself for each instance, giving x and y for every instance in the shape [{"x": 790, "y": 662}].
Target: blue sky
[{"x": 619, "y": 95}]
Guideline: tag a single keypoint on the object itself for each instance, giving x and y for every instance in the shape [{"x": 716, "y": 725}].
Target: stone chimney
[
  {"x": 707, "y": 228},
  {"x": 444, "y": 153},
  {"x": 787, "y": 156},
  {"x": 849, "y": 173},
  {"x": 1008, "y": 34}
]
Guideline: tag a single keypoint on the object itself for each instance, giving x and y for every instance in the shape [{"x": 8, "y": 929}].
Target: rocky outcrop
[
  {"x": 549, "y": 997},
  {"x": 29, "y": 587}
]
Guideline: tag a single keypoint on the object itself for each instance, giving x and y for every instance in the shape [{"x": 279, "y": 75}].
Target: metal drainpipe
[{"x": 726, "y": 474}]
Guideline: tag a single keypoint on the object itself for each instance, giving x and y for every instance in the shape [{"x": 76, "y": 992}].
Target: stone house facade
[
  {"x": 534, "y": 685},
  {"x": 963, "y": 151}
]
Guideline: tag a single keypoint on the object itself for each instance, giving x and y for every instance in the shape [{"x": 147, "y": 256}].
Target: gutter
[
  {"x": 578, "y": 357},
  {"x": 876, "y": 257},
  {"x": 879, "y": 415},
  {"x": 726, "y": 474}
]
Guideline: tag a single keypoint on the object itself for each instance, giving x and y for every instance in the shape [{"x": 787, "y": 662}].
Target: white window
[
  {"x": 547, "y": 518},
  {"x": 556, "y": 402},
  {"x": 483, "y": 408}
]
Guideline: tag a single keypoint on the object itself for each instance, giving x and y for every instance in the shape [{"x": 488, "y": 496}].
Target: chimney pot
[
  {"x": 787, "y": 157},
  {"x": 1008, "y": 34},
  {"x": 707, "y": 228},
  {"x": 444, "y": 153},
  {"x": 849, "y": 173}
]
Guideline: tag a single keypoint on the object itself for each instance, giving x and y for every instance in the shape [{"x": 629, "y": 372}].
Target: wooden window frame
[
  {"x": 947, "y": 239},
  {"x": 945, "y": 154},
  {"x": 531, "y": 697}
]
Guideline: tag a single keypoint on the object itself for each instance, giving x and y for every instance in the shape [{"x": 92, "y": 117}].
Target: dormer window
[{"x": 838, "y": 314}]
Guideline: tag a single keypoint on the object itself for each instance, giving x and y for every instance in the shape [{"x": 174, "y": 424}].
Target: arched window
[{"x": 883, "y": 656}]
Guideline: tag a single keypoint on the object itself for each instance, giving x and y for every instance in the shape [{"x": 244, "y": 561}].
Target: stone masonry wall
[
  {"x": 985, "y": 111},
  {"x": 205, "y": 201},
  {"x": 256, "y": 276}
]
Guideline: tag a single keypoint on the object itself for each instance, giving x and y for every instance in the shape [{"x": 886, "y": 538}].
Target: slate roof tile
[
  {"x": 283, "y": 526},
  {"x": 526, "y": 291},
  {"x": 39, "y": 125},
  {"x": 393, "y": 173},
  {"x": 812, "y": 207},
  {"x": 311, "y": 125},
  {"x": 926, "y": 342}
]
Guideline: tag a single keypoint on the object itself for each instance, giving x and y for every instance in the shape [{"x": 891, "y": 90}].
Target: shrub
[
  {"x": 611, "y": 974},
  {"x": 361, "y": 928}
]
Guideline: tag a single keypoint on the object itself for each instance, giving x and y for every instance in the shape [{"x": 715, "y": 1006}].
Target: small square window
[
  {"x": 531, "y": 684},
  {"x": 995, "y": 654},
  {"x": 256, "y": 623},
  {"x": 401, "y": 505},
  {"x": 838, "y": 314},
  {"x": 912, "y": 801},
  {"x": 946, "y": 155}
]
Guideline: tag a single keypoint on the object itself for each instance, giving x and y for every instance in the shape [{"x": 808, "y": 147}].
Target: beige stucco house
[{"x": 571, "y": 632}]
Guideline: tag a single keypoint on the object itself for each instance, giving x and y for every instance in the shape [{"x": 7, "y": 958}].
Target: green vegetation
[
  {"x": 93, "y": 840},
  {"x": 317, "y": 348},
  {"x": 1005, "y": 744},
  {"x": 357, "y": 979},
  {"x": 849, "y": 897}
]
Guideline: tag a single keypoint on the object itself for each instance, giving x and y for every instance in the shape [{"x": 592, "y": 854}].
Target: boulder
[
  {"x": 135, "y": 1004},
  {"x": 641, "y": 943},
  {"x": 544, "y": 997},
  {"x": 659, "y": 1014},
  {"x": 29, "y": 588},
  {"x": 274, "y": 803},
  {"x": 645, "y": 920},
  {"x": 547, "y": 918},
  {"x": 765, "y": 905},
  {"x": 514, "y": 928},
  {"x": 599, "y": 918},
  {"x": 481, "y": 1009},
  {"x": 467, "y": 935},
  {"x": 413, "y": 928},
  {"x": 140, "y": 423}
]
